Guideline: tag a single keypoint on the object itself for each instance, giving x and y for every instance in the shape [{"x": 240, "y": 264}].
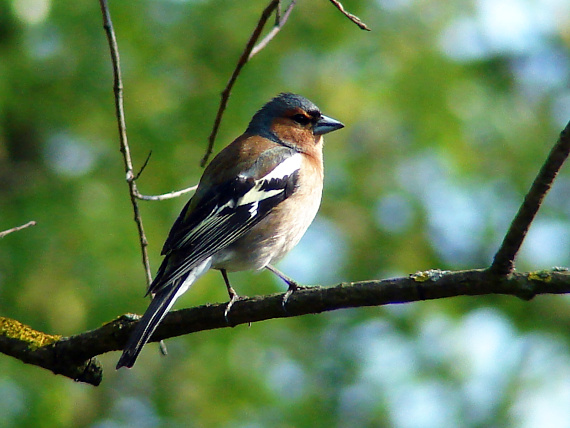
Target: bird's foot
[
  {"x": 293, "y": 287},
  {"x": 233, "y": 298}
]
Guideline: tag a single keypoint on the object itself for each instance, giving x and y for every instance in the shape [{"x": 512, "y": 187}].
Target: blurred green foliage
[{"x": 450, "y": 110}]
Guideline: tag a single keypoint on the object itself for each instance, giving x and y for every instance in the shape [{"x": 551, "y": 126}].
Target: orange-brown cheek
[{"x": 288, "y": 132}]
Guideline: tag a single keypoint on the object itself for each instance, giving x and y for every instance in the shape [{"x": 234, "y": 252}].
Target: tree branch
[
  {"x": 34, "y": 347},
  {"x": 74, "y": 356},
  {"x": 165, "y": 196},
  {"x": 246, "y": 54},
  {"x": 123, "y": 141},
  {"x": 17, "y": 228},
  {"x": 350, "y": 16},
  {"x": 504, "y": 260},
  {"x": 252, "y": 49},
  {"x": 280, "y": 21}
]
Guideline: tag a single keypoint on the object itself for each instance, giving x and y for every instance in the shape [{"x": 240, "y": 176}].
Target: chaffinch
[{"x": 253, "y": 204}]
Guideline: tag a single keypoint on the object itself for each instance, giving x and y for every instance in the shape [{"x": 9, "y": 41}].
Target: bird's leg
[
  {"x": 292, "y": 284},
  {"x": 232, "y": 293}
]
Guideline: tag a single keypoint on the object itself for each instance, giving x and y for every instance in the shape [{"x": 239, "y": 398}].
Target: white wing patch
[
  {"x": 284, "y": 169},
  {"x": 208, "y": 227},
  {"x": 253, "y": 209}
]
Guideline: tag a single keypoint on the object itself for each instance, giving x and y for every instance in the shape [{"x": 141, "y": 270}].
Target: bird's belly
[{"x": 267, "y": 242}]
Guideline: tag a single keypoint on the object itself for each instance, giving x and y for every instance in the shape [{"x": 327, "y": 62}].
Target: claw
[
  {"x": 232, "y": 293},
  {"x": 292, "y": 288},
  {"x": 233, "y": 299}
]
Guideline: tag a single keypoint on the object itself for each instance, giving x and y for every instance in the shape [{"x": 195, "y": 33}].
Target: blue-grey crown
[{"x": 261, "y": 121}]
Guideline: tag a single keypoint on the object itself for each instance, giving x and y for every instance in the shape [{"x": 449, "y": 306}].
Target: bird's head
[{"x": 293, "y": 120}]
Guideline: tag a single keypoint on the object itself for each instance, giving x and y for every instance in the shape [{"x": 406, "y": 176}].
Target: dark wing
[
  {"x": 193, "y": 220},
  {"x": 226, "y": 213}
]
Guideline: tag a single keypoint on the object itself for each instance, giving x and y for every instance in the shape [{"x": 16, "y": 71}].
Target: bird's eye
[{"x": 301, "y": 119}]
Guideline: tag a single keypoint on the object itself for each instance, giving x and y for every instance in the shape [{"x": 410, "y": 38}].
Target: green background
[{"x": 450, "y": 109}]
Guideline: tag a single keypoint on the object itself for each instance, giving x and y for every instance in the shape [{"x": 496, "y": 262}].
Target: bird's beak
[{"x": 325, "y": 125}]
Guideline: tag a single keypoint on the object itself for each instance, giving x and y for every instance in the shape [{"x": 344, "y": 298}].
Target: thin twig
[
  {"x": 504, "y": 261},
  {"x": 276, "y": 28},
  {"x": 278, "y": 13},
  {"x": 242, "y": 61},
  {"x": 17, "y": 228},
  {"x": 165, "y": 196},
  {"x": 145, "y": 163},
  {"x": 350, "y": 16},
  {"x": 120, "y": 112}
]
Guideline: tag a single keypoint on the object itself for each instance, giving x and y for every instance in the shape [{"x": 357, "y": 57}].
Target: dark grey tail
[
  {"x": 146, "y": 326},
  {"x": 161, "y": 303}
]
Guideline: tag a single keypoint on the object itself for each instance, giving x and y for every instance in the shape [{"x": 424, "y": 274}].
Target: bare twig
[
  {"x": 165, "y": 196},
  {"x": 504, "y": 261},
  {"x": 242, "y": 61},
  {"x": 145, "y": 163},
  {"x": 17, "y": 228},
  {"x": 349, "y": 15},
  {"x": 75, "y": 356},
  {"x": 280, "y": 21},
  {"x": 278, "y": 13},
  {"x": 120, "y": 112}
]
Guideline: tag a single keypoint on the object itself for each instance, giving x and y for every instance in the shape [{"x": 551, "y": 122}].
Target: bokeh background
[{"x": 450, "y": 109}]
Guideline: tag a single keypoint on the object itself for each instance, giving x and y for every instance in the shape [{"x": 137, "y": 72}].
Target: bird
[{"x": 254, "y": 202}]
